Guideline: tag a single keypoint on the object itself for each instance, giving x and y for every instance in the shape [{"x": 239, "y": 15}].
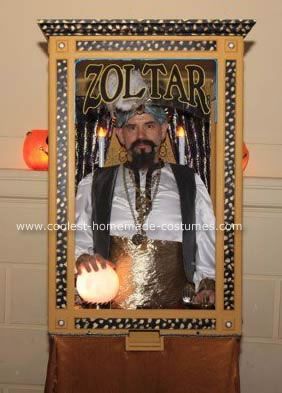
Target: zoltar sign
[{"x": 186, "y": 83}]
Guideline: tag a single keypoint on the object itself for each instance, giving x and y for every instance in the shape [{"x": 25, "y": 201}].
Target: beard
[{"x": 142, "y": 159}]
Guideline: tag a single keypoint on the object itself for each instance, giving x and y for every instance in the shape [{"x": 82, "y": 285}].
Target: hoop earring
[
  {"x": 163, "y": 150},
  {"x": 122, "y": 155}
]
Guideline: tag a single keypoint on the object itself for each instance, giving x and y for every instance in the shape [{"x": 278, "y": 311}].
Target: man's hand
[
  {"x": 206, "y": 296},
  {"x": 206, "y": 292},
  {"x": 91, "y": 262}
]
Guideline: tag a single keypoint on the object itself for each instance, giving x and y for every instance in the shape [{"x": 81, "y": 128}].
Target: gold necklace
[{"x": 145, "y": 206}]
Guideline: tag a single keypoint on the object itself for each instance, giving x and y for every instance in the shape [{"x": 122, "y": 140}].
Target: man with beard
[{"x": 151, "y": 207}]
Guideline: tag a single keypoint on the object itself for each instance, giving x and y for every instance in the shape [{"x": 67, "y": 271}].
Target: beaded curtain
[{"x": 197, "y": 136}]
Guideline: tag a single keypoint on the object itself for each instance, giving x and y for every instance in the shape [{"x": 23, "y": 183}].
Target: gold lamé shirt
[{"x": 151, "y": 275}]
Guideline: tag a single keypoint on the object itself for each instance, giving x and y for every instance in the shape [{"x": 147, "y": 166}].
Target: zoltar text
[{"x": 187, "y": 87}]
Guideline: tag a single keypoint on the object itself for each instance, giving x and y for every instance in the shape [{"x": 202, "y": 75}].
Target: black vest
[{"x": 103, "y": 185}]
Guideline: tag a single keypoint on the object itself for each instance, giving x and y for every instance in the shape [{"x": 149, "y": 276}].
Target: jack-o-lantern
[
  {"x": 245, "y": 156},
  {"x": 35, "y": 150}
]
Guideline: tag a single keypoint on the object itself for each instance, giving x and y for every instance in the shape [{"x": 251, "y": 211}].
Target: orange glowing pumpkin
[
  {"x": 35, "y": 150},
  {"x": 246, "y": 156}
]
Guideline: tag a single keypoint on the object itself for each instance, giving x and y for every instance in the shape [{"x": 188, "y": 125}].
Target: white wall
[
  {"x": 262, "y": 287},
  {"x": 23, "y": 282}
]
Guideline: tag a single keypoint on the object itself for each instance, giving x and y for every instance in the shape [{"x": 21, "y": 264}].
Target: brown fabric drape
[{"x": 80, "y": 364}]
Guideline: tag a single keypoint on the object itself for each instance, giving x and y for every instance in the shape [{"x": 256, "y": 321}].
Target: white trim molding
[
  {"x": 23, "y": 184},
  {"x": 262, "y": 192},
  {"x": 259, "y": 192}
]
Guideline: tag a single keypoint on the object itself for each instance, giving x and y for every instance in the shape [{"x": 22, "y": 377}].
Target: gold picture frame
[{"x": 220, "y": 41}]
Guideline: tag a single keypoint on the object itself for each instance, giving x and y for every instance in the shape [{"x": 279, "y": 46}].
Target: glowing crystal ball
[{"x": 98, "y": 287}]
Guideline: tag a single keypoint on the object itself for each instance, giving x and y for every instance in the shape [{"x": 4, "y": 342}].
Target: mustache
[{"x": 143, "y": 142}]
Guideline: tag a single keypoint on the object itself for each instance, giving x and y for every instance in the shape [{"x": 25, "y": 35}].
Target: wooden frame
[{"x": 226, "y": 186}]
